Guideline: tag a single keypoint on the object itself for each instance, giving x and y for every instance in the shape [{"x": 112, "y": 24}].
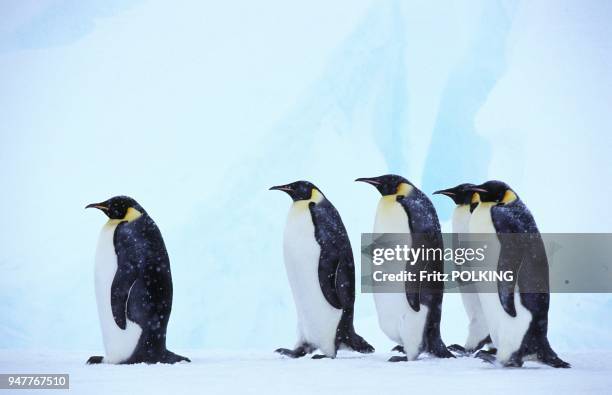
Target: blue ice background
[{"x": 195, "y": 109}]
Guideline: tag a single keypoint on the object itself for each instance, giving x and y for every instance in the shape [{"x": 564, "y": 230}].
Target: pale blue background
[{"x": 196, "y": 108}]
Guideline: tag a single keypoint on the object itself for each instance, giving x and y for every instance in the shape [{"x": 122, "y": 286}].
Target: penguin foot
[
  {"x": 484, "y": 342},
  {"x": 297, "y": 353},
  {"x": 319, "y": 356},
  {"x": 442, "y": 352},
  {"x": 490, "y": 351},
  {"x": 397, "y": 358},
  {"x": 485, "y": 356},
  {"x": 398, "y": 348},
  {"x": 514, "y": 363},
  {"x": 437, "y": 348},
  {"x": 94, "y": 360},
  {"x": 458, "y": 349}
]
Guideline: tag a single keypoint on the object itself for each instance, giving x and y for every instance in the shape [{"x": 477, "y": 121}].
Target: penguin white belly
[
  {"x": 317, "y": 319},
  {"x": 477, "y": 329},
  {"x": 119, "y": 344},
  {"x": 506, "y": 332},
  {"x": 396, "y": 318}
]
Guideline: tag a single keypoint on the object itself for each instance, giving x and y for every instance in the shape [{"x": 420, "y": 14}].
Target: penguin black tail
[
  {"x": 436, "y": 347},
  {"x": 358, "y": 343},
  {"x": 346, "y": 335},
  {"x": 548, "y": 356},
  {"x": 170, "y": 357}
]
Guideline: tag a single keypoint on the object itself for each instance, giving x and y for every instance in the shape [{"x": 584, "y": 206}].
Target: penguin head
[
  {"x": 389, "y": 184},
  {"x": 300, "y": 190},
  {"x": 494, "y": 192},
  {"x": 461, "y": 194},
  {"x": 119, "y": 208}
]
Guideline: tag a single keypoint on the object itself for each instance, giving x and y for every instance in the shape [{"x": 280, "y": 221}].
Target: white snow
[{"x": 257, "y": 372}]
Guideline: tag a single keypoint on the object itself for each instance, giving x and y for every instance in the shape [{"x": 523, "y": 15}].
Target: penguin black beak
[
  {"x": 370, "y": 181},
  {"x": 99, "y": 206},
  {"x": 285, "y": 188},
  {"x": 477, "y": 189},
  {"x": 447, "y": 192}
]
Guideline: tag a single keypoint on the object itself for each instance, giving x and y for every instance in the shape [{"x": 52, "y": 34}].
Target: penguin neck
[
  {"x": 390, "y": 215},
  {"x": 461, "y": 218},
  {"x": 403, "y": 190},
  {"x": 302, "y": 205},
  {"x": 131, "y": 215}
]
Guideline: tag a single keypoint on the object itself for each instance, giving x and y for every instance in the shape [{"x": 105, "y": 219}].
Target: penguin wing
[
  {"x": 126, "y": 274},
  {"x": 525, "y": 255},
  {"x": 510, "y": 227},
  {"x": 426, "y": 233},
  {"x": 510, "y": 259},
  {"x": 336, "y": 265}
]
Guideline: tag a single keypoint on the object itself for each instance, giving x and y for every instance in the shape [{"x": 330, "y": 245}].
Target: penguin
[
  {"x": 133, "y": 286},
  {"x": 411, "y": 319},
  {"x": 517, "y": 321},
  {"x": 478, "y": 332},
  {"x": 321, "y": 271}
]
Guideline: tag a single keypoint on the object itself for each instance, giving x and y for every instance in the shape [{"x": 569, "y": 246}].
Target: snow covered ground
[{"x": 257, "y": 372}]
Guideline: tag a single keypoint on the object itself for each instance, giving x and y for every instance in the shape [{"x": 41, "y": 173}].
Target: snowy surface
[{"x": 266, "y": 373}]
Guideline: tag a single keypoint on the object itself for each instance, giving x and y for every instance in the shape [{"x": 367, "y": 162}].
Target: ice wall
[{"x": 196, "y": 109}]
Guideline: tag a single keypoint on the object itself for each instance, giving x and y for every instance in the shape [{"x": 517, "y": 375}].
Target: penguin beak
[
  {"x": 447, "y": 192},
  {"x": 370, "y": 181},
  {"x": 285, "y": 188},
  {"x": 477, "y": 189},
  {"x": 99, "y": 206}
]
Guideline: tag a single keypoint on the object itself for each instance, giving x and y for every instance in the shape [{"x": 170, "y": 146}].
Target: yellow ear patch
[
  {"x": 509, "y": 196},
  {"x": 131, "y": 214},
  {"x": 315, "y": 195},
  {"x": 404, "y": 189},
  {"x": 475, "y": 197}
]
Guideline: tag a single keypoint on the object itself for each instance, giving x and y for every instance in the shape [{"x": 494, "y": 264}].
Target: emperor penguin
[
  {"x": 411, "y": 319},
  {"x": 517, "y": 315},
  {"x": 133, "y": 286},
  {"x": 321, "y": 272},
  {"x": 478, "y": 332}
]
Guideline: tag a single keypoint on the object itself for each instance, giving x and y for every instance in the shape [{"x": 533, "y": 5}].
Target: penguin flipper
[
  {"x": 510, "y": 259},
  {"x": 345, "y": 282},
  {"x": 120, "y": 290},
  {"x": 413, "y": 288},
  {"x": 328, "y": 280},
  {"x": 125, "y": 276}
]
